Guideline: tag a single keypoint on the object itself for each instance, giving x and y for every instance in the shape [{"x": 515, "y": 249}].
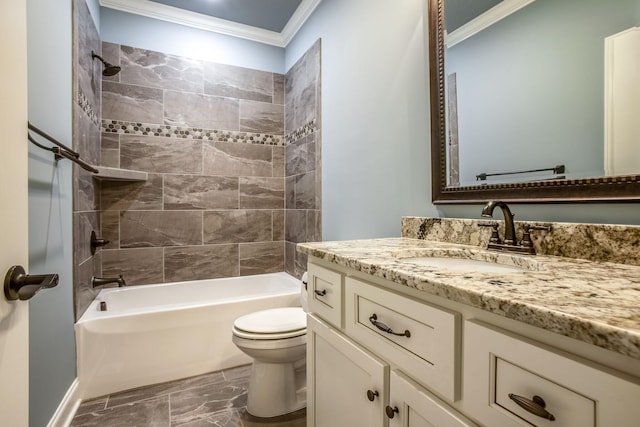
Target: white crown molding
[
  {"x": 203, "y": 22},
  {"x": 299, "y": 17},
  {"x": 490, "y": 17}
]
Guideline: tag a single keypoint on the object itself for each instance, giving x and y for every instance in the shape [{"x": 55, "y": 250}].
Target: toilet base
[{"x": 276, "y": 389}]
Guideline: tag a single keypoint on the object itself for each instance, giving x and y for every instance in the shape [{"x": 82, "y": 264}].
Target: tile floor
[{"x": 215, "y": 399}]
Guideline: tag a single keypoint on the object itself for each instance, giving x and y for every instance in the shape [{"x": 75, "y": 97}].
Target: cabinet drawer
[
  {"x": 324, "y": 291},
  {"x": 419, "y": 338},
  {"x": 501, "y": 368},
  {"x": 515, "y": 383}
]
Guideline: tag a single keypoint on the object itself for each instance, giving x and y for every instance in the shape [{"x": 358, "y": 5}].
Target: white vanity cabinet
[
  {"x": 379, "y": 355},
  {"x": 364, "y": 374}
]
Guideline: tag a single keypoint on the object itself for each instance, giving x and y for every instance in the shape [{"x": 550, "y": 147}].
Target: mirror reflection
[{"x": 544, "y": 89}]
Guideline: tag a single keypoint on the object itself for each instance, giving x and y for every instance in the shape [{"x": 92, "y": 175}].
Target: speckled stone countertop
[{"x": 595, "y": 302}]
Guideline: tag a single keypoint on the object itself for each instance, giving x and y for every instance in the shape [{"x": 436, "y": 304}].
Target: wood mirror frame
[{"x": 602, "y": 189}]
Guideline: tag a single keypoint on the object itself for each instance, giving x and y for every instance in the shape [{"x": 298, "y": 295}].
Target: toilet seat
[{"x": 272, "y": 324}]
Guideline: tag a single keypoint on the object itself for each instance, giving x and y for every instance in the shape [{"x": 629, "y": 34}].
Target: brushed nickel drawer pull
[
  {"x": 371, "y": 395},
  {"x": 320, "y": 293},
  {"x": 374, "y": 320},
  {"x": 535, "y": 406}
]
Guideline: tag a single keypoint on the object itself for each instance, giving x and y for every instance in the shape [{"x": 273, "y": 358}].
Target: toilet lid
[{"x": 273, "y": 321}]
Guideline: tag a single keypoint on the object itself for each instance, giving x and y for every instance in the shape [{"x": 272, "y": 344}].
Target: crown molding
[
  {"x": 299, "y": 17},
  {"x": 175, "y": 15},
  {"x": 490, "y": 17}
]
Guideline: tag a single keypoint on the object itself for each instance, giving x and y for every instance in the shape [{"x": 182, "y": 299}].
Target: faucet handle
[
  {"x": 526, "y": 233},
  {"x": 495, "y": 237}
]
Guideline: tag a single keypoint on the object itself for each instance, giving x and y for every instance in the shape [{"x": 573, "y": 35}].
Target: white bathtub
[{"x": 155, "y": 333}]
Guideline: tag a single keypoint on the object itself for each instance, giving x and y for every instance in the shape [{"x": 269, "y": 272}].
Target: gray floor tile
[
  {"x": 148, "y": 392},
  {"x": 201, "y": 402},
  {"x": 92, "y": 406},
  {"x": 215, "y": 399},
  {"x": 153, "y": 412}
]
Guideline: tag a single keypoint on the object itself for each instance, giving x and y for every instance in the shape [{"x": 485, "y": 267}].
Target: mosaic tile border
[
  {"x": 301, "y": 132},
  {"x": 83, "y": 102},
  {"x": 168, "y": 131}
]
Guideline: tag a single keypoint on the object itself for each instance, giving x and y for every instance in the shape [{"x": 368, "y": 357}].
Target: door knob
[{"x": 22, "y": 286}]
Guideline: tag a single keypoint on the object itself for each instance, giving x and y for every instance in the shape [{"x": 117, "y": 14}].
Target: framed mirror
[{"x": 535, "y": 120}]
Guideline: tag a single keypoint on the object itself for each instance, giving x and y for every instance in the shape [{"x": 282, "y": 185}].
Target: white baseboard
[{"x": 67, "y": 408}]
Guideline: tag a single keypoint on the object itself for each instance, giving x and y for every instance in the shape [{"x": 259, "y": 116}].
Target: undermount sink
[{"x": 468, "y": 260}]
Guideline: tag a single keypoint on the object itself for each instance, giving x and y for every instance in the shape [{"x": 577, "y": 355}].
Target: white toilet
[{"x": 276, "y": 340}]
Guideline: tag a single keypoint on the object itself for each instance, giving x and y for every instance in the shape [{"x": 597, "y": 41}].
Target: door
[
  {"x": 346, "y": 385},
  {"x": 14, "y": 315},
  {"x": 622, "y": 103}
]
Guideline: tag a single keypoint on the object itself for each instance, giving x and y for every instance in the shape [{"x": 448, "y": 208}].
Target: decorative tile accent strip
[
  {"x": 132, "y": 128},
  {"x": 301, "y": 132},
  {"x": 83, "y": 102}
]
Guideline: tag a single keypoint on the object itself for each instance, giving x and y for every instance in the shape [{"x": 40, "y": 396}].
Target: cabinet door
[
  {"x": 341, "y": 380},
  {"x": 413, "y": 406}
]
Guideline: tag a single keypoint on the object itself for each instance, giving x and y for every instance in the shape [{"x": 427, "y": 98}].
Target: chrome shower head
[{"x": 109, "y": 69}]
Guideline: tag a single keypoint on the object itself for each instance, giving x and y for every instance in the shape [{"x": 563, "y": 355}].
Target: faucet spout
[
  {"x": 101, "y": 281},
  {"x": 509, "y": 229}
]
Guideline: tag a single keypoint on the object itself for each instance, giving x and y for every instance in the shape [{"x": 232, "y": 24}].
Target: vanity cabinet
[
  {"x": 363, "y": 363},
  {"x": 379, "y": 355}
]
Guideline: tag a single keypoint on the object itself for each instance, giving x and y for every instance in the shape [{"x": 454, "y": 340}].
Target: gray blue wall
[
  {"x": 376, "y": 162},
  {"x": 52, "y": 366},
  {"x": 375, "y": 115},
  {"x": 146, "y": 33}
]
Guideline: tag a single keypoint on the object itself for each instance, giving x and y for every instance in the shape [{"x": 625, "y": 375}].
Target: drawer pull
[
  {"x": 320, "y": 293},
  {"x": 371, "y": 395},
  {"x": 391, "y": 412},
  {"x": 374, "y": 320},
  {"x": 535, "y": 406}
]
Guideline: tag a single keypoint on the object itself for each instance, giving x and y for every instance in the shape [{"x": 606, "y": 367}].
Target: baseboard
[{"x": 67, "y": 408}]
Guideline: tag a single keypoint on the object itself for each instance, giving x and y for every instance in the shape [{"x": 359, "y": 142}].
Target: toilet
[{"x": 276, "y": 340}]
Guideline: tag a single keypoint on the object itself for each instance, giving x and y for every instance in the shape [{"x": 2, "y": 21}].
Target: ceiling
[
  {"x": 273, "y": 22},
  {"x": 270, "y": 15}
]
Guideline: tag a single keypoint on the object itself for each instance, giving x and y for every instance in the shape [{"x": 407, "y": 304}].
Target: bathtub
[{"x": 156, "y": 333}]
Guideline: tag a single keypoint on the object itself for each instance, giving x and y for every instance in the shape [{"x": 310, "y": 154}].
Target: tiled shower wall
[
  {"x": 302, "y": 169},
  {"x": 211, "y": 137},
  {"x": 86, "y": 141}
]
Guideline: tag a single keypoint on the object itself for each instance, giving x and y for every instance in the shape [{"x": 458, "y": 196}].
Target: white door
[
  {"x": 622, "y": 103},
  {"x": 14, "y": 315}
]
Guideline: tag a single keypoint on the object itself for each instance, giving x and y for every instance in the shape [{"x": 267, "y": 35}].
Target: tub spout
[{"x": 101, "y": 281}]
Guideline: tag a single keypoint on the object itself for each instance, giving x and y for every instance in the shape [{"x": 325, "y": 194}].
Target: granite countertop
[{"x": 595, "y": 302}]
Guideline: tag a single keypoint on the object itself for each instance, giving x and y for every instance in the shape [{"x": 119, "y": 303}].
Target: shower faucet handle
[{"x": 96, "y": 242}]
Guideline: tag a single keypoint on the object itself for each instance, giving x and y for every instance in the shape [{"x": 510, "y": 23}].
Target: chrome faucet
[
  {"x": 509, "y": 229},
  {"x": 101, "y": 281}
]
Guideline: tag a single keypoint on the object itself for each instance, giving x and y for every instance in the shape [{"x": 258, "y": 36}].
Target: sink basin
[{"x": 468, "y": 260}]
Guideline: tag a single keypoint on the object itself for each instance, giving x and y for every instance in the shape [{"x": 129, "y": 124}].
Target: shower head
[{"x": 109, "y": 69}]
